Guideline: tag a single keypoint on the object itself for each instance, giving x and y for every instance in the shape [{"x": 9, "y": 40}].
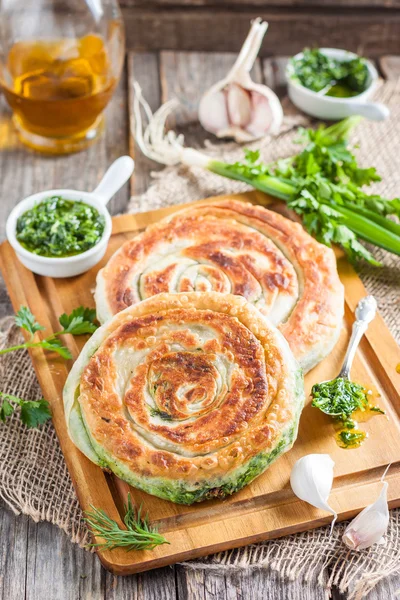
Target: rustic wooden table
[{"x": 37, "y": 561}]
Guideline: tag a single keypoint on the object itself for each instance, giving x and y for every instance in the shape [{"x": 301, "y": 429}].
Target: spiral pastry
[
  {"x": 234, "y": 247},
  {"x": 185, "y": 396}
]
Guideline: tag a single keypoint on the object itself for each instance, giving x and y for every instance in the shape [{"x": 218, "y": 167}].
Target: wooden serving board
[{"x": 265, "y": 509}]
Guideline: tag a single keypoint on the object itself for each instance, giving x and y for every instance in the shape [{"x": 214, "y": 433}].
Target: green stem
[
  {"x": 373, "y": 216},
  {"x": 369, "y": 230},
  {"x": 19, "y": 347},
  {"x": 265, "y": 183},
  {"x": 378, "y": 231}
]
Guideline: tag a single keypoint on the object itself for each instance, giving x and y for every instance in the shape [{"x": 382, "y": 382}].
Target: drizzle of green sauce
[
  {"x": 58, "y": 227},
  {"x": 346, "y": 402}
]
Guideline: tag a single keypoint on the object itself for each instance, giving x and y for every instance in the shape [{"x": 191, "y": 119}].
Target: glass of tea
[{"x": 60, "y": 61}]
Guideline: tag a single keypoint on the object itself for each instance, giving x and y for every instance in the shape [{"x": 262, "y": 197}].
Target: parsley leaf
[
  {"x": 53, "y": 344},
  {"x": 6, "y": 410},
  {"x": 323, "y": 184},
  {"x": 80, "y": 321},
  {"x": 25, "y": 319},
  {"x": 33, "y": 412}
]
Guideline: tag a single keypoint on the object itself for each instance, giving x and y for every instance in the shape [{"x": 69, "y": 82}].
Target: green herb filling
[{"x": 58, "y": 227}]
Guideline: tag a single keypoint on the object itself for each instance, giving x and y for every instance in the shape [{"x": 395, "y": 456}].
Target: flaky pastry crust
[
  {"x": 234, "y": 247},
  {"x": 186, "y": 396}
]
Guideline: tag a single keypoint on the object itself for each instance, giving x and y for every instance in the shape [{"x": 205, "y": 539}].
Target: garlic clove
[
  {"x": 261, "y": 115},
  {"x": 252, "y": 110},
  {"x": 370, "y": 525},
  {"x": 311, "y": 480},
  {"x": 214, "y": 111},
  {"x": 239, "y": 105}
]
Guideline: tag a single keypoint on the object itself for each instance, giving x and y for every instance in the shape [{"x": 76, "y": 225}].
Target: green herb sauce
[
  {"x": 346, "y": 402},
  {"x": 339, "y": 78},
  {"x": 58, "y": 228}
]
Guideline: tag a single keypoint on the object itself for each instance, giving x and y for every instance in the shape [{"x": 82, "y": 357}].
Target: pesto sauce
[
  {"x": 340, "y": 90},
  {"x": 317, "y": 71},
  {"x": 346, "y": 402},
  {"x": 57, "y": 228}
]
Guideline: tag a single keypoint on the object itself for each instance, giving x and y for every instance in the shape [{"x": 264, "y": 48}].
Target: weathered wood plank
[
  {"x": 390, "y": 67},
  {"x": 57, "y": 569},
  {"x": 145, "y": 69},
  {"x": 13, "y": 554},
  {"x": 371, "y": 32},
  {"x": 158, "y": 585},
  {"x": 254, "y": 584}
]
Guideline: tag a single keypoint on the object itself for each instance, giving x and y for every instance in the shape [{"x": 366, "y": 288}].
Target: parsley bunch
[
  {"x": 324, "y": 185},
  {"x": 82, "y": 320}
]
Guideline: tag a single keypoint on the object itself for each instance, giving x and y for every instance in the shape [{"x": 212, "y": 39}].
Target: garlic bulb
[
  {"x": 311, "y": 480},
  {"x": 370, "y": 525},
  {"x": 237, "y": 107}
]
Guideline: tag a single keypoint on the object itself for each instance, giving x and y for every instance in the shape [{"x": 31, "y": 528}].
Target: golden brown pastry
[
  {"x": 185, "y": 396},
  {"x": 234, "y": 247}
]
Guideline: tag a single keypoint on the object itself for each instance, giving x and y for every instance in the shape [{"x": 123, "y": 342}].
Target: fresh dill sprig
[{"x": 138, "y": 535}]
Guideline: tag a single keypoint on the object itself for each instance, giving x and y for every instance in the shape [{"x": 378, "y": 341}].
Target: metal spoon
[{"x": 365, "y": 313}]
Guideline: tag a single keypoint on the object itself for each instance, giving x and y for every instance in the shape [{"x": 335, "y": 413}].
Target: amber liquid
[{"x": 58, "y": 90}]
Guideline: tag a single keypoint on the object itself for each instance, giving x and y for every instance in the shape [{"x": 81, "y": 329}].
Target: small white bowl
[
  {"x": 329, "y": 107},
  {"x": 69, "y": 266}
]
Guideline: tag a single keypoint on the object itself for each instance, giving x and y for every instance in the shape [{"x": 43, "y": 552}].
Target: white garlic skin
[
  {"x": 241, "y": 113},
  {"x": 311, "y": 480},
  {"x": 370, "y": 525},
  {"x": 238, "y": 108}
]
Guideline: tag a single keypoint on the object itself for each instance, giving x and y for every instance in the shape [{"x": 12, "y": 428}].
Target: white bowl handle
[
  {"x": 375, "y": 111},
  {"x": 114, "y": 178}
]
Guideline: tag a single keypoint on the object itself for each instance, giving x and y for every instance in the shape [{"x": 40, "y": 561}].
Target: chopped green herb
[
  {"x": 58, "y": 227},
  {"x": 342, "y": 399},
  {"x": 156, "y": 412},
  {"x": 316, "y": 71},
  {"x": 351, "y": 438},
  {"x": 138, "y": 535},
  {"x": 339, "y": 397}
]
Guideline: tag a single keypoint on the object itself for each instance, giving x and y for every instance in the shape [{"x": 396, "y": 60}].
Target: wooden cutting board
[{"x": 265, "y": 509}]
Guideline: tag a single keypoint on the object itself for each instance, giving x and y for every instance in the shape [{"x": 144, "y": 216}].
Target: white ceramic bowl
[
  {"x": 115, "y": 177},
  {"x": 329, "y": 107}
]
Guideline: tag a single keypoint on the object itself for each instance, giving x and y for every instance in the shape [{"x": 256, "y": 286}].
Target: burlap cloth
[{"x": 34, "y": 479}]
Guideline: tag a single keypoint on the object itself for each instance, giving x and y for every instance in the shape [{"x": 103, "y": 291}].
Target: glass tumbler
[{"x": 60, "y": 61}]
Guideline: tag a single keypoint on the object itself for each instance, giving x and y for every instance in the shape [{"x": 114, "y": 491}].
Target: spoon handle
[
  {"x": 114, "y": 178},
  {"x": 365, "y": 312}
]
